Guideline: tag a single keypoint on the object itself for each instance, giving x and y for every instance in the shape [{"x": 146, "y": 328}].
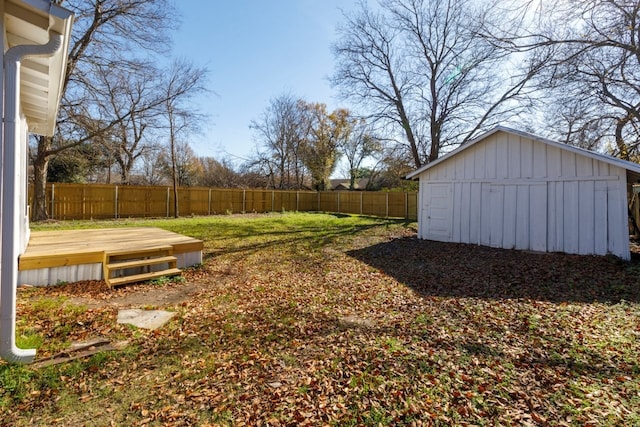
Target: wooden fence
[{"x": 101, "y": 201}]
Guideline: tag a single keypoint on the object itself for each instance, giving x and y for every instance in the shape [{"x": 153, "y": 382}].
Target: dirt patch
[
  {"x": 96, "y": 294},
  {"x": 146, "y": 296}
]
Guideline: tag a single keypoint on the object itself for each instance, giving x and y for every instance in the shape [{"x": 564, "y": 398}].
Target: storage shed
[{"x": 514, "y": 190}]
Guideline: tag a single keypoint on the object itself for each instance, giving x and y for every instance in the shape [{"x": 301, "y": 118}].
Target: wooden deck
[{"x": 51, "y": 250}]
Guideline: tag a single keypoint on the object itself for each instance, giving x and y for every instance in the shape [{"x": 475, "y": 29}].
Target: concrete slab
[{"x": 147, "y": 319}]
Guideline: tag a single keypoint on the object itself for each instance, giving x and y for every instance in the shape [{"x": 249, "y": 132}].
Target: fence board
[
  {"x": 143, "y": 201},
  {"x": 374, "y": 204},
  {"x": 98, "y": 201}
]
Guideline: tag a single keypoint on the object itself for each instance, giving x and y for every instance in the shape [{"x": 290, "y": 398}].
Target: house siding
[{"x": 515, "y": 192}]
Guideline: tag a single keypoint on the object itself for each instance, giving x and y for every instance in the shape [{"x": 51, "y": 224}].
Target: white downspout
[{"x": 10, "y": 221}]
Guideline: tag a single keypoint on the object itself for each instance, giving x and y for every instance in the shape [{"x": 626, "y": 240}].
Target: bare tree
[
  {"x": 359, "y": 145},
  {"x": 574, "y": 118},
  {"x": 183, "y": 81},
  {"x": 185, "y": 165},
  {"x": 592, "y": 77},
  {"x": 279, "y": 135},
  {"x": 220, "y": 174},
  {"x": 372, "y": 71},
  {"x": 421, "y": 65},
  {"x": 130, "y": 100},
  {"x": 150, "y": 167},
  {"x": 105, "y": 33}
]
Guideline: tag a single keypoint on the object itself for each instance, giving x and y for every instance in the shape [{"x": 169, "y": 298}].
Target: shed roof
[
  {"x": 28, "y": 22},
  {"x": 633, "y": 169}
]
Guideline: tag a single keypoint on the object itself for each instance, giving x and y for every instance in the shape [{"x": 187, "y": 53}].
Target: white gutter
[{"x": 9, "y": 159}]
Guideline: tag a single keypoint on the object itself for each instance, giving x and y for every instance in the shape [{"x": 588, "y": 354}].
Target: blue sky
[{"x": 256, "y": 50}]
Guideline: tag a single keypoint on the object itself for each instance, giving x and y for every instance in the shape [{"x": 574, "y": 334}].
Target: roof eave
[
  {"x": 624, "y": 164},
  {"x": 59, "y": 69},
  {"x": 61, "y": 22},
  {"x": 41, "y": 97}
]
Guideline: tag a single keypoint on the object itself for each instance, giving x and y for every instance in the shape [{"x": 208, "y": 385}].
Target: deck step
[
  {"x": 142, "y": 262},
  {"x": 135, "y": 265},
  {"x": 143, "y": 277}
]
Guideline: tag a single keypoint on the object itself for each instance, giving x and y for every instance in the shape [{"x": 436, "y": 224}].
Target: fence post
[
  {"x": 244, "y": 201},
  {"x": 168, "y": 201},
  {"x": 406, "y": 205},
  {"x": 273, "y": 200},
  {"x": 319, "y": 210},
  {"x": 297, "y": 200},
  {"x": 387, "y": 204},
  {"x": 209, "y": 205},
  {"x": 361, "y": 193},
  {"x": 338, "y": 194},
  {"x": 116, "y": 204},
  {"x": 53, "y": 201}
]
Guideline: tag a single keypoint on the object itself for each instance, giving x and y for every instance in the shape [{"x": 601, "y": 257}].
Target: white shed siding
[{"x": 512, "y": 191}]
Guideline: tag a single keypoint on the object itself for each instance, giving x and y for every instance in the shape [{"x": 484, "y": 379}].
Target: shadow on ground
[
  {"x": 463, "y": 270},
  {"x": 310, "y": 236}
]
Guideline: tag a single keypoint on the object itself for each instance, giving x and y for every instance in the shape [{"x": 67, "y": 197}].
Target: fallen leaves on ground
[{"x": 372, "y": 327}]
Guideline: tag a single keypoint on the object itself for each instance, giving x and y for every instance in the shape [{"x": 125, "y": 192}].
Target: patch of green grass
[
  {"x": 376, "y": 417},
  {"x": 29, "y": 339},
  {"x": 165, "y": 280},
  {"x": 365, "y": 382},
  {"x": 48, "y": 305},
  {"x": 15, "y": 383},
  {"x": 391, "y": 344},
  {"x": 223, "y": 418},
  {"x": 424, "y": 319},
  {"x": 314, "y": 227}
]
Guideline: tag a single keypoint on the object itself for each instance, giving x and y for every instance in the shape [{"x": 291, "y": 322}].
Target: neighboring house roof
[
  {"x": 340, "y": 186},
  {"x": 343, "y": 184},
  {"x": 28, "y": 22},
  {"x": 633, "y": 169}
]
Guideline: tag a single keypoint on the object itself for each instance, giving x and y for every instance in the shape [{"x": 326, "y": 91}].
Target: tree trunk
[
  {"x": 434, "y": 150},
  {"x": 406, "y": 126},
  {"x": 124, "y": 176},
  {"x": 622, "y": 146},
  {"x": 40, "y": 166},
  {"x": 174, "y": 173}
]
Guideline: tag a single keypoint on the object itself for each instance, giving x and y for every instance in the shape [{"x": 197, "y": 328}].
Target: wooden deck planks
[{"x": 48, "y": 249}]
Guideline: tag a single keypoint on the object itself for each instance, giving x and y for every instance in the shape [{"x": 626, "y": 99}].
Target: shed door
[{"x": 438, "y": 212}]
